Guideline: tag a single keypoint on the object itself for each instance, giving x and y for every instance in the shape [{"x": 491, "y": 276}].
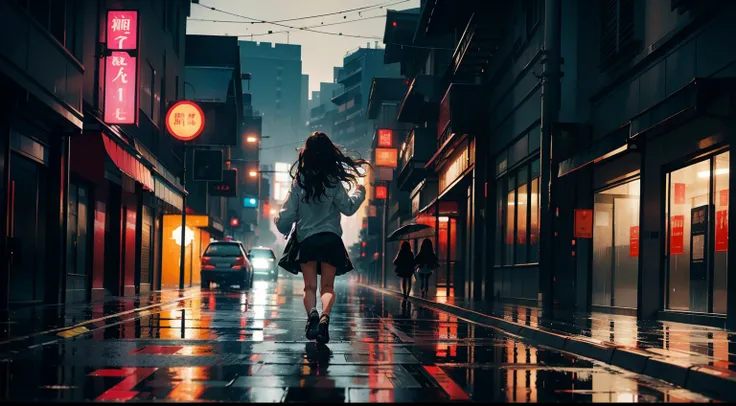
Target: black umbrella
[{"x": 411, "y": 231}]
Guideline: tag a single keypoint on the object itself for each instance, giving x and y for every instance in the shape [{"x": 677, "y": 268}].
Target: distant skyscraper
[{"x": 278, "y": 94}]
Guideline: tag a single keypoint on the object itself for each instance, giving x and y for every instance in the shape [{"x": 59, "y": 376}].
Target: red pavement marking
[
  {"x": 124, "y": 390},
  {"x": 116, "y": 395},
  {"x": 453, "y": 390},
  {"x": 121, "y": 372},
  {"x": 157, "y": 350}
]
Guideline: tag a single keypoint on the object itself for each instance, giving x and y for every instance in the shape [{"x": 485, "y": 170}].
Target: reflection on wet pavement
[{"x": 234, "y": 346}]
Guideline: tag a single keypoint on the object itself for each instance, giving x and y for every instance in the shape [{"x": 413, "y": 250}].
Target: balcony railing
[{"x": 342, "y": 90}]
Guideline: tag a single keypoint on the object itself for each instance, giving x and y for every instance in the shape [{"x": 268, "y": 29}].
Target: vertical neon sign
[{"x": 121, "y": 67}]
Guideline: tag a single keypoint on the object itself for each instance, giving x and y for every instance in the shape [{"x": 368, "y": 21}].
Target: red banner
[
  {"x": 385, "y": 138},
  {"x": 583, "y": 223},
  {"x": 679, "y": 193},
  {"x": 677, "y": 235},
  {"x": 722, "y": 231},
  {"x": 634, "y": 241}
]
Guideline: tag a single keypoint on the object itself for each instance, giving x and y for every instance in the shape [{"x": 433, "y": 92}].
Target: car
[
  {"x": 226, "y": 263},
  {"x": 264, "y": 262}
]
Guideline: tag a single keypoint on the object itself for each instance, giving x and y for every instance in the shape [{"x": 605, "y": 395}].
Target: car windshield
[
  {"x": 261, "y": 253},
  {"x": 223, "y": 250}
]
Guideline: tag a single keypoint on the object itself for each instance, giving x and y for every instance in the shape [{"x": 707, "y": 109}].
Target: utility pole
[{"x": 550, "y": 114}]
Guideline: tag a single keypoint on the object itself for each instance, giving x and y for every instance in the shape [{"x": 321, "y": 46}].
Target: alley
[{"x": 250, "y": 346}]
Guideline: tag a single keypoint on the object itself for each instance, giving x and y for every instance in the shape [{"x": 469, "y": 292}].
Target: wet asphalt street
[{"x": 250, "y": 346}]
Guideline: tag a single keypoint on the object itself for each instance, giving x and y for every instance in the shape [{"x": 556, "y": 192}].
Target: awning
[
  {"x": 128, "y": 164},
  {"x": 167, "y": 188},
  {"x": 91, "y": 150}
]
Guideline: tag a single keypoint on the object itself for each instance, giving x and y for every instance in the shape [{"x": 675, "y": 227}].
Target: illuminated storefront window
[
  {"x": 616, "y": 245},
  {"x": 517, "y": 216},
  {"x": 697, "y": 236}
]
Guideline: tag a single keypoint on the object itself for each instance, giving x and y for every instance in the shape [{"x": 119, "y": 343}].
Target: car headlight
[{"x": 261, "y": 263}]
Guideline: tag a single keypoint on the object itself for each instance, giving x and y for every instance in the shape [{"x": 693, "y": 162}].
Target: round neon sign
[{"x": 185, "y": 120}]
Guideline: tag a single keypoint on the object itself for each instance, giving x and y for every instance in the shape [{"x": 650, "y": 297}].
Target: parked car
[
  {"x": 264, "y": 262},
  {"x": 226, "y": 263}
]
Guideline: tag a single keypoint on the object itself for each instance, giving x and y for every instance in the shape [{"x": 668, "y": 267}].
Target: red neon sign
[
  {"x": 387, "y": 157},
  {"x": 381, "y": 192},
  {"x": 121, "y": 68},
  {"x": 385, "y": 138}
]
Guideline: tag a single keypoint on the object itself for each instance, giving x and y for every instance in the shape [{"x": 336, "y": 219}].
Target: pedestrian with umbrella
[
  {"x": 426, "y": 262},
  {"x": 404, "y": 263}
]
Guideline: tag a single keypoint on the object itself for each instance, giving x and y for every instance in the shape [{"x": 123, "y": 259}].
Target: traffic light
[{"x": 250, "y": 203}]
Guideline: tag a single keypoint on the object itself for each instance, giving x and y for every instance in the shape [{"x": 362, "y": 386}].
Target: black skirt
[{"x": 323, "y": 247}]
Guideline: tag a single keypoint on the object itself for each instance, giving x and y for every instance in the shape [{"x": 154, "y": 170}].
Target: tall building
[
  {"x": 322, "y": 113},
  {"x": 87, "y": 179},
  {"x": 350, "y": 128},
  {"x": 278, "y": 93}
]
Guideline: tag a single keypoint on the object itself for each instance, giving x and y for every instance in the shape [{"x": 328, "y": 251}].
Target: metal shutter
[{"x": 146, "y": 245}]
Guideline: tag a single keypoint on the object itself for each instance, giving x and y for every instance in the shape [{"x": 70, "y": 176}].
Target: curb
[
  {"x": 82, "y": 327},
  {"x": 715, "y": 383}
]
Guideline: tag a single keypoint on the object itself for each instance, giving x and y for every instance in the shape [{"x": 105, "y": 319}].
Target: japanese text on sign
[
  {"x": 185, "y": 120},
  {"x": 634, "y": 241},
  {"x": 121, "y": 68},
  {"x": 387, "y": 157},
  {"x": 385, "y": 138},
  {"x": 722, "y": 231},
  {"x": 677, "y": 235},
  {"x": 120, "y": 88},
  {"x": 122, "y": 30}
]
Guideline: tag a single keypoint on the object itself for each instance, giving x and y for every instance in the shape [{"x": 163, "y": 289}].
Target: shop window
[
  {"x": 616, "y": 246},
  {"x": 518, "y": 216},
  {"x": 697, "y": 236}
]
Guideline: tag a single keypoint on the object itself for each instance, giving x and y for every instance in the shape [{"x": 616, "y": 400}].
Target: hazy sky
[{"x": 320, "y": 53}]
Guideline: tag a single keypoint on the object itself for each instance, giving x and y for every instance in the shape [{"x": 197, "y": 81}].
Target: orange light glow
[
  {"x": 251, "y": 139},
  {"x": 253, "y": 174}
]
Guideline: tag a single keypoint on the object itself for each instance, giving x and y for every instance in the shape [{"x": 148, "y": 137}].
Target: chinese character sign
[
  {"x": 387, "y": 157},
  {"x": 185, "y": 120},
  {"x": 122, "y": 30},
  {"x": 381, "y": 192},
  {"x": 385, "y": 138},
  {"x": 120, "y": 88},
  {"x": 121, "y": 68},
  {"x": 677, "y": 235}
]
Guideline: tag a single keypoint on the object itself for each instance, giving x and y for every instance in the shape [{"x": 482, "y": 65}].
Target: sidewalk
[
  {"x": 690, "y": 356},
  {"x": 29, "y": 326}
]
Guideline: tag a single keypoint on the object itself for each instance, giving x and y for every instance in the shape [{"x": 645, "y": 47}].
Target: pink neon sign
[{"x": 121, "y": 68}]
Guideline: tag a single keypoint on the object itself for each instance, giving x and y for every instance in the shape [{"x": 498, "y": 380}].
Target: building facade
[
  {"x": 628, "y": 213},
  {"x": 350, "y": 128},
  {"x": 93, "y": 194}
]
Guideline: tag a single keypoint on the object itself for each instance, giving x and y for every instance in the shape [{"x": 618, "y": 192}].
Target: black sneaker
[
  {"x": 312, "y": 325},
  {"x": 323, "y": 332}
]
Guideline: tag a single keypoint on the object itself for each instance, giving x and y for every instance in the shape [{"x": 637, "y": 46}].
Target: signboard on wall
[
  {"x": 723, "y": 197},
  {"x": 677, "y": 235},
  {"x": 121, "y": 68},
  {"x": 583, "y": 223},
  {"x": 679, "y": 193},
  {"x": 385, "y": 138},
  {"x": 381, "y": 192},
  {"x": 227, "y": 187},
  {"x": 387, "y": 157},
  {"x": 634, "y": 241},
  {"x": 722, "y": 231}
]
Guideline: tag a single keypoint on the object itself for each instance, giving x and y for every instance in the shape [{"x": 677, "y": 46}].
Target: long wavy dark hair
[
  {"x": 321, "y": 165},
  {"x": 426, "y": 255}
]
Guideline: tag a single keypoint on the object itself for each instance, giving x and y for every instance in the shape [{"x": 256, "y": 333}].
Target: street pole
[{"x": 183, "y": 219}]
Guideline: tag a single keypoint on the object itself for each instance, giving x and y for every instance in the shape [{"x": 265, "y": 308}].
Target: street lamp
[
  {"x": 253, "y": 174},
  {"x": 251, "y": 139}
]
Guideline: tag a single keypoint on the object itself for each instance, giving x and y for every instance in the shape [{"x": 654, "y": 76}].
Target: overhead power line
[
  {"x": 340, "y": 34},
  {"x": 350, "y": 10}
]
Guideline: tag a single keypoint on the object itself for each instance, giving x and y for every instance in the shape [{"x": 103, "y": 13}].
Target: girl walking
[
  {"x": 426, "y": 261},
  {"x": 314, "y": 204},
  {"x": 404, "y": 263}
]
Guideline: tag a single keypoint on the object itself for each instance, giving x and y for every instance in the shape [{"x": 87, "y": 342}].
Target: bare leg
[
  {"x": 327, "y": 287},
  {"x": 309, "y": 272},
  {"x": 403, "y": 286},
  {"x": 408, "y": 286}
]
